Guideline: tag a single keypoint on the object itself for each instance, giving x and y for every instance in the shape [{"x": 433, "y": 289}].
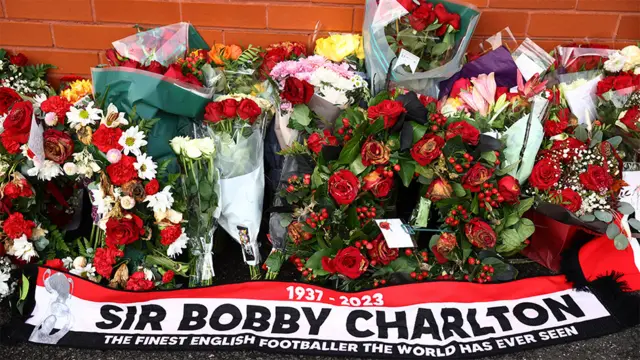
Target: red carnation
[
  {"x": 168, "y": 276},
  {"x": 137, "y": 282},
  {"x": 558, "y": 124},
  {"x": 55, "y": 264},
  {"x": 104, "y": 260},
  {"x": 170, "y": 234},
  {"x": 58, "y": 105},
  {"x": 18, "y": 60},
  {"x": 152, "y": 187},
  {"x": 106, "y": 138},
  {"x": 123, "y": 171},
  {"x": 15, "y": 226}
]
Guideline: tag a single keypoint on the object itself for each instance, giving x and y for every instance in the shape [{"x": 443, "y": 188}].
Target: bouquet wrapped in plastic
[
  {"x": 239, "y": 123},
  {"x": 163, "y": 73},
  {"x": 416, "y": 43}
]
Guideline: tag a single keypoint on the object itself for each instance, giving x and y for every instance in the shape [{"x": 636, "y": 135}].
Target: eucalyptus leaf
[
  {"x": 615, "y": 141},
  {"x": 612, "y": 231},
  {"x": 588, "y": 217},
  {"x": 626, "y": 208},
  {"x": 621, "y": 242},
  {"x": 581, "y": 133},
  {"x": 603, "y": 216},
  {"x": 596, "y": 139},
  {"x": 635, "y": 223}
]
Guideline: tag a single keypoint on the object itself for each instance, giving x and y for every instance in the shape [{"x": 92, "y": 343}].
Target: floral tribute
[{"x": 28, "y": 79}]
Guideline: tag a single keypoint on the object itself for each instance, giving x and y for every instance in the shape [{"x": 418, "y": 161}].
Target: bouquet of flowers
[
  {"x": 575, "y": 57},
  {"x": 240, "y": 67},
  {"x": 428, "y": 38},
  {"x": 239, "y": 122},
  {"x": 27, "y": 79},
  {"x": 343, "y": 47},
  {"x": 279, "y": 52}
]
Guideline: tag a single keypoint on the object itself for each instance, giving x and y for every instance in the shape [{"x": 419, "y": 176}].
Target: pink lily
[
  {"x": 532, "y": 87},
  {"x": 482, "y": 97}
]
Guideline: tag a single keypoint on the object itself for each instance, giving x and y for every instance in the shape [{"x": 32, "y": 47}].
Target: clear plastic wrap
[
  {"x": 576, "y": 59},
  {"x": 579, "y": 90},
  {"x": 531, "y": 59},
  {"x": 380, "y": 56}
]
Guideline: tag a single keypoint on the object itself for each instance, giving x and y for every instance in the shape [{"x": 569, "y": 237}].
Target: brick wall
[{"x": 72, "y": 34}]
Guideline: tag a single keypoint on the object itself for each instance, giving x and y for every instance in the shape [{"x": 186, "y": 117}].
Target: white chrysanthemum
[
  {"x": 4, "y": 284},
  {"x": 103, "y": 203},
  {"x": 22, "y": 249},
  {"x": 83, "y": 117},
  {"x": 132, "y": 140},
  {"x": 146, "y": 167},
  {"x": 114, "y": 118},
  {"x": 45, "y": 171},
  {"x": 177, "y": 246},
  {"x": 615, "y": 63},
  {"x": 87, "y": 271},
  {"x": 127, "y": 202},
  {"x": 67, "y": 262},
  {"x": 177, "y": 143},
  {"x": 161, "y": 201},
  {"x": 86, "y": 164}
]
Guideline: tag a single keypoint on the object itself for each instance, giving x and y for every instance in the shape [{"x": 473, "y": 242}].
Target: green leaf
[
  {"x": 24, "y": 289},
  {"x": 432, "y": 27},
  {"x": 491, "y": 261},
  {"x": 581, "y": 133},
  {"x": 507, "y": 169},
  {"x": 407, "y": 169},
  {"x": 635, "y": 223},
  {"x": 424, "y": 171},
  {"x": 350, "y": 152},
  {"x": 466, "y": 250},
  {"x": 357, "y": 167},
  {"x": 315, "y": 261},
  {"x": 440, "y": 49},
  {"x": 621, "y": 242},
  {"x": 615, "y": 141},
  {"x": 626, "y": 208},
  {"x": 525, "y": 229},
  {"x": 489, "y": 156},
  {"x": 524, "y": 206},
  {"x": 509, "y": 241},
  {"x": 383, "y": 95},
  {"x": 459, "y": 190},
  {"x": 597, "y": 139},
  {"x": 301, "y": 114},
  {"x": 511, "y": 220},
  {"x": 418, "y": 131},
  {"x": 376, "y": 127},
  {"x": 603, "y": 216},
  {"x": 337, "y": 243},
  {"x": 588, "y": 217},
  {"x": 316, "y": 178},
  {"x": 612, "y": 231}
]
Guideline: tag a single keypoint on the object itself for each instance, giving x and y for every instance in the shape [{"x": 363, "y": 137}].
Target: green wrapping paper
[{"x": 153, "y": 96}]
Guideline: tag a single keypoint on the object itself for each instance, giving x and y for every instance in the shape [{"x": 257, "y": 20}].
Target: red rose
[
  {"x": 623, "y": 81},
  {"x": 348, "y": 261},
  {"x": 137, "y": 282},
  {"x": 459, "y": 85},
  {"x": 106, "y": 138},
  {"x": 426, "y": 100},
  {"x": 152, "y": 187},
  {"x": 509, "y": 188},
  {"x": 248, "y": 110},
  {"x": 605, "y": 85},
  {"x": 18, "y": 122},
  {"x": 113, "y": 58},
  {"x": 214, "y": 112},
  {"x": 480, "y": 234},
  {"x": 631, "y": 118},
  {"x": 327, "y": 265},
  {"x": 170, "y": 234},
  {"x": 439, "y": 257},
  {"x": 128, "y": 63},
  {"x": 390, "y": 110},
  {"x": 15, "y": 226},
  {"x": 8, "y": 97},
  {"x": 572, "y": 144},
  {"x": 123, "y": 171},
  {"x": 168, "y": 276},
  {"x": 439, "y": 189},
  {"x": 378, "y": 185},
  {"x": 58, "y": 105},
  {"x": 422, "y": 17},
  {"x": 596, "y": 178},
  {"x": 476, "y": 176},
  {"x": 104, "y": 260},
  {"x": 124, "y": 231},
  {"x": 571, "y": 200},
  {"x": 58, "y": 145},
  {"x": 381, "y": 252},
  {"x": 271, "y": 58},
  {"x": 374, "y": 153},
  {"x": 446, "y": 18},
  {"x": 297, "y": 91},
  {"x": 446, "y": 243},
  {"x": 55, "y": 264},
  {"x": 230, "y": 108},
  {"x": 316, "y": 141},
  {"x": 18, "y": 60},
  {"x": 343, "y": 187},
  {"x": 428, "y": 149},
  {"x": 557, "y": 124},
  {"x": 175, "y": 72},
  {"x": 408, "y": 4},
  {"x": 545, "y": 174},
  {"x": 156, "y": 67},
  {"x": 469, "y": 133}
]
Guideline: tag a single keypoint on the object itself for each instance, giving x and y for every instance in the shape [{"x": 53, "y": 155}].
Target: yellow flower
[
  {"x": 337, "y": 47},
  {"x": 77, "y": 90}
]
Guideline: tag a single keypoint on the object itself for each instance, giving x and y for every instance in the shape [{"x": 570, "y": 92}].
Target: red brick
[
  {"x": 1, "y": 10},
  {"x": 572, "y": 25},
  {"x": 478, "y": 3},
  {"x": 624, "y": 43},
  {"x": 292, "y": 17},
  {"x": 609, "y": 5},
  {"x": 549, "y": 45},
  {"x": 358, "y": 19},
  {"x": 66, "y": 62},
  {"x": 78, "y": 10},
  {"x": 226, "y": 15},
  {"x": 89, "y": 36},
  {"x": 211, "y": 36},
  {"x": 263, "y": 39},
  {"x": 629, "y": 27},
  {"x": 137, "y": 12},
  {"x": 25, "y": 34},
  {"x": 492, "y": 22},
  {"x": 533, "y": 4}
]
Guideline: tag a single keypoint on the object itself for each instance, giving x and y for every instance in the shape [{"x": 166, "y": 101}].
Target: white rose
[
  {"x": 174, "y": 216},
  {"x": 127, "y": 202},
  {"x": 79, "y": 263},
  {"x": 70, "y": 168},
  {"x": 632, "y": 53},
  {"x": 205, "y": 145},
  {"x": 177, "y": 143},
  {"x": 191, "y": 149}
]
